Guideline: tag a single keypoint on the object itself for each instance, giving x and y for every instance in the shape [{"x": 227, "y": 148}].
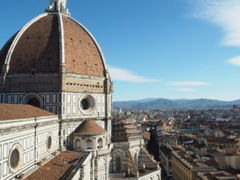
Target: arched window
[
  {"x": 106, "y": 141},
  {"x": 118, "y": 164},
  {"x": 78, "y": 144},
  {"x": 100, "y": 143},
  {"x": 34, "y": 102},
  {"x": 32, "y": 99},
  {"x": 136, "y": 158},
  {"x": 89, "y": 144},
  {"x": 49, "y": 143}
]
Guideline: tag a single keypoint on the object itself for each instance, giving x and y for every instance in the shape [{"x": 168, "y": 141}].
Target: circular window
[
  {"x": 49, "y": 142},
  {"x": 87, "y": 104},
  {"x": 32, "y": 99},
  {"x": 14, "y": 159}
]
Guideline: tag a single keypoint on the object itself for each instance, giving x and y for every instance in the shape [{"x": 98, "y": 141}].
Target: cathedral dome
[{"x": 51, "y": 43}]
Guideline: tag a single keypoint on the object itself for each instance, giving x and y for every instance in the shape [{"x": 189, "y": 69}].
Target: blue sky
[{"x": 157, "y": 48}]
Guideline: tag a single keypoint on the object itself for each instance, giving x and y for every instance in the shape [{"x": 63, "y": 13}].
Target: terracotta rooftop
[
  {"x": 217, "y": 175},
  {"x": 57, "y": 167},
  {"x": 19, "y": 111},
  {"x": 89, "y": 127},
  {"x": 220, "y": 140}
]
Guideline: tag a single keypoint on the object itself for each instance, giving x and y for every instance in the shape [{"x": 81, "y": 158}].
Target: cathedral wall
[
  {"x": 30, "y": 139},
  {"x": 25, "y": 139},
  {"x": 109, "y": 105},
  {"x": 100, "y": 163},
  {"x": 119, "y": 159},
  {"x": 154, "y": 175},
  {"x": 71, "y": 107},
  {"x": 86, "y": 171},
  {"x": 31, "y": 83},
  {"x": 42, "y": 135},
  {"x": 48, "y": 100},
  {"x": 69, "y": 103},
  {"x": 102, "y": 168},
  {"x": 80, "y": 83},
  {"x": 72, "y": 114}
]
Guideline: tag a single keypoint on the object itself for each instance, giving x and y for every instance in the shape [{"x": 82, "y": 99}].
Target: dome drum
[{"x": 29, "y": 83}]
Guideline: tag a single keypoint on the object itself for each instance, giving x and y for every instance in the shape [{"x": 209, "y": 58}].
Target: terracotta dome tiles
[
  {"x": 81, "y": 52},
  {"x": 38, "y": 48}
]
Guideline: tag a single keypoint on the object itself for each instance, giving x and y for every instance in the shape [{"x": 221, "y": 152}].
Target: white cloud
[
  {"x": 235, "y": 61},
  {"x": 186, "y": 90},
  {"x": 223, "y": 13},
  {"x": 120, "y": 74},
  {"x": 189, "y": 83}
]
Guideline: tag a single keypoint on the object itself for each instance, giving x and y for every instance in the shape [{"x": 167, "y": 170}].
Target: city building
[
  {"x": 185, "y": 167},
  {"x": 130, "y": 158},
  {"x": 216, "y": 175}
]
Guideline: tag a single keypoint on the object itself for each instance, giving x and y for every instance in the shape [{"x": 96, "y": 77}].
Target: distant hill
[{"x": 162, "y": 103}]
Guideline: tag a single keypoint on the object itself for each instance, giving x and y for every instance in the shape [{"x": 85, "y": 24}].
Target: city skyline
[{"x": 174, "y": 49}]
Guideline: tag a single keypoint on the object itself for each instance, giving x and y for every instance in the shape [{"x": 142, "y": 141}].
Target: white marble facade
[
  {"x": 33, "y": 142},
  {"x": 34, "y": 139},
  {"x": 65, "y": 104},
  {"x": 100, "y": 147}
]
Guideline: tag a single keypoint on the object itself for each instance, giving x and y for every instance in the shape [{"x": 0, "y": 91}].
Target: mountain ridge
[{"x": 165, "y": 103}]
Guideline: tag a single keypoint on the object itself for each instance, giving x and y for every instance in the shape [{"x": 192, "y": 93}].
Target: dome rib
[
  {"x": 16, "y": 39},
  {"x": 4, "y": 51},
  {"x": 61, "y": 41}
]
